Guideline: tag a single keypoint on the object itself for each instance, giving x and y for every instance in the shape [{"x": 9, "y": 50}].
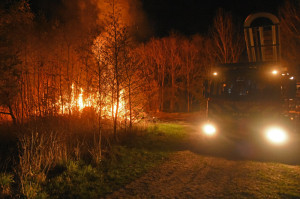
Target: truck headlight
[
  {"x": 209, "y": 129},
  {"x": 276, "y": 135}
]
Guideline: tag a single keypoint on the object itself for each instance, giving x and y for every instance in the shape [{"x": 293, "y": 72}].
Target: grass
[
  {"x": 80, "y": 180},
  {"x": 51, "y": 163},
  {"x": 278, "y": 179},
  {"x": 137, "y": 153},
  {"x": 163, "y": 137},
  {"x": 265, "y": 180}
]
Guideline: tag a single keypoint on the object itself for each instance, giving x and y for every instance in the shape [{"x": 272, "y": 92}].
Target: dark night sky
[
  {"x": 195, "y": 16},
  {"x": 185, "y": 16}
]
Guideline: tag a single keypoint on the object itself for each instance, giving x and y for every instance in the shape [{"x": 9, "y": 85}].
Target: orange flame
[{"x": 79, "y": 101}]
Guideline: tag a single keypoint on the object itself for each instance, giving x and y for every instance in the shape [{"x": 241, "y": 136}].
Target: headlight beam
[
  {"x": 276, "y": 135},
  {"x": 209, "y": 129}
]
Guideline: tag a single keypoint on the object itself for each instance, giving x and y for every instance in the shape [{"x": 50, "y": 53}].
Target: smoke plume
[
  {"x": 84, "y": 15},
  {"x": 130, "y": 13}
]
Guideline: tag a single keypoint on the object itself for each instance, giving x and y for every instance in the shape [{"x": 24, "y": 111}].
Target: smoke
[
  {"x": 139, "y": 19},
  {"x": 130, "y": 13},
  {"x": 80, "y": 14},
  {"x": 83, "y": 15},
  {"x": 90, "y": 13}
]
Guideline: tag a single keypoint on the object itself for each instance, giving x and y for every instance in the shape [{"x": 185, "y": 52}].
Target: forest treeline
[{"x": 51, "y": 67}]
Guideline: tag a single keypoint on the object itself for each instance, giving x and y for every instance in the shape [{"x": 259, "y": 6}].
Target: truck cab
[
  {"x": 245, "y": 98},
  {"x": 254, "y": 103}
]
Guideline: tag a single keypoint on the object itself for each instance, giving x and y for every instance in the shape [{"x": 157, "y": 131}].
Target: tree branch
[{"x": 5, "y": 113}]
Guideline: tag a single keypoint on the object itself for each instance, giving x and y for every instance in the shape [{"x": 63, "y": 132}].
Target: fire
[
  {"x": 122, "y": 107},
  {"x": 88, "y": 102},
  {"x": 80, "y": 100},
  {"x": 115, "y": 109}
]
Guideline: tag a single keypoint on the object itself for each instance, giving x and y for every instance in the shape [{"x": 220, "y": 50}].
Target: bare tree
[
  {"x": 13, "y": 23},
  {"x": 158, "y": 53},
  {"x": 290, "y": 32},
  {"x": 173, "y": 58},
  {"x": 227, "y": 38},
  {"x": 190, "y": 54},
  {"x": 150, "y": 76},
  {"x": 114, "y": 37}
]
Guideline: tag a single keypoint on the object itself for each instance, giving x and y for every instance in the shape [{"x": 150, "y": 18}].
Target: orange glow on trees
[{"x": 69, "y": 72}]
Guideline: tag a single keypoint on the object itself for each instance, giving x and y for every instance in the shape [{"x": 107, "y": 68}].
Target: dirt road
[{"x": 189, "y": 175}]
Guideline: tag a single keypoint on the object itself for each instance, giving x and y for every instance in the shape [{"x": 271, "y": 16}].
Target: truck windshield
[{"x": 245, "y": 86}]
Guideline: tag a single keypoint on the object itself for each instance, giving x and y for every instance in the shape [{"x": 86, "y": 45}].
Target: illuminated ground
[
  {"x": 189, "y": 175},
  {"x": 219, "y": 168}
]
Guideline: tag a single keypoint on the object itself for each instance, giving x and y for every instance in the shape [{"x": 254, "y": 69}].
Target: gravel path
[{"x": 189, "y": 175}]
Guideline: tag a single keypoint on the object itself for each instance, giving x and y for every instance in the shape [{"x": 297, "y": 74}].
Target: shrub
[
  {"x": 96, "y": 148},
  {"x": 6, "y": 181},
  {"x": 37, "y": 154}
]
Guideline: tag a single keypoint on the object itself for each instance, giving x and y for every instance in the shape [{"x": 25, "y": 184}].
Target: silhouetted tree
[
  {"x": 13, "y": 24},
  {"x": 290, "y": 32},
  {"x": 227, "y": 38}
]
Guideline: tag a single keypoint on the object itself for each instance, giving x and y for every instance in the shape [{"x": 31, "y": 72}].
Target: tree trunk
[
  {"x": 130, "y": 108},
  {"x": 117, "y": 110},
  {"x": 69, "y": 80},
  {"x": 188, "y": 98},
  {"x": 60, "y": 91},
  {"x": 38, "y": 91},
  {"x": 162, "y": 89},
  {"x": 100, "y": 110},
  {"x": 188, "y": 88},
  {"x": 172, "y": 103}
]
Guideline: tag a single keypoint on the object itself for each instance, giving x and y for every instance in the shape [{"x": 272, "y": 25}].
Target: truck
[{"x": 255, "y": 100}]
